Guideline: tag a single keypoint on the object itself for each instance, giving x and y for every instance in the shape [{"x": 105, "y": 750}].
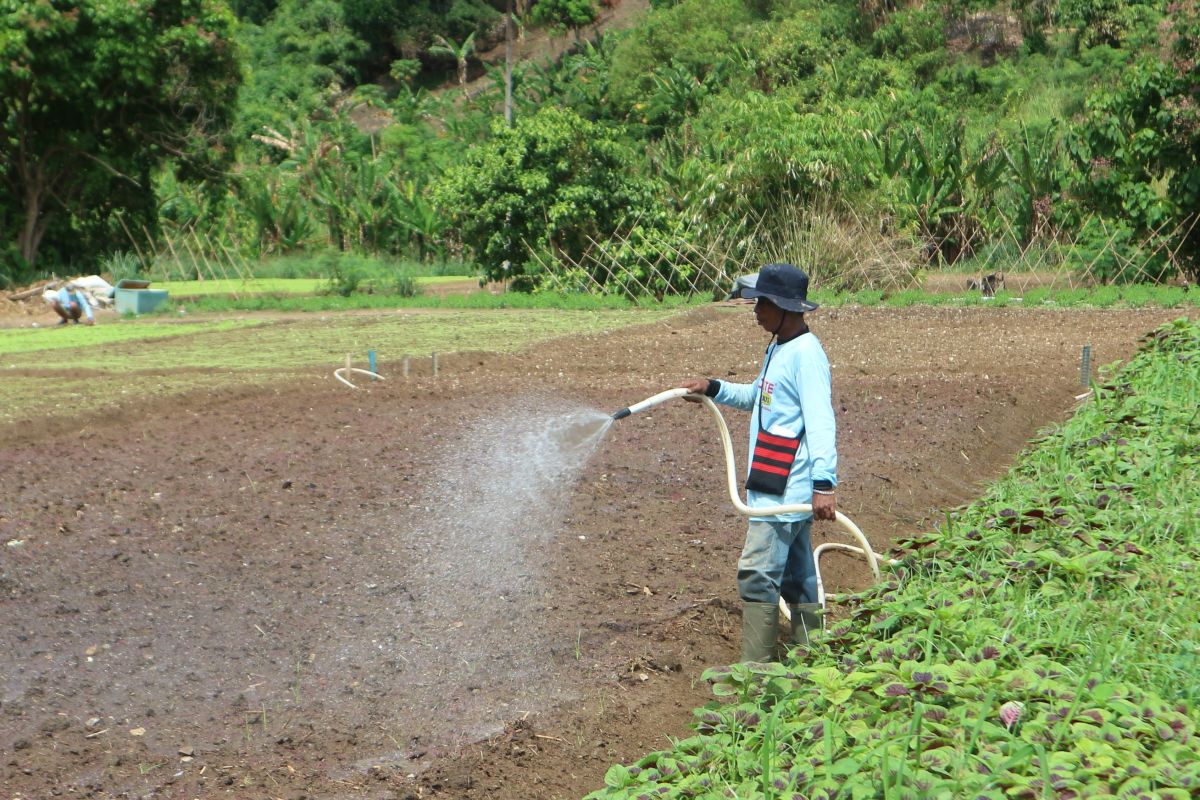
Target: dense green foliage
[
  {"x": 554, "y": 183},
  {"x": 1051, "y": 134},
  {"x": 94, "y": 98},
  {"x": 1042, "y": 643}
]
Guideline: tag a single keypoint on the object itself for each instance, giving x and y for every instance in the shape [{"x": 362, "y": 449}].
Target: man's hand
[
  {"x": 824, "y": 506},
  {"x": 696, "y": 387}
]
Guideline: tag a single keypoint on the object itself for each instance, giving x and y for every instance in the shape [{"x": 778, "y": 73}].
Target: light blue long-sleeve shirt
[
  {"x": 66, "y": 297},
  {"x": 796, "y": 397}
]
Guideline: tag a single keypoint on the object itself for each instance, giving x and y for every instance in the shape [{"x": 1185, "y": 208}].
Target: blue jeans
[{"x": 777, "y": 560}]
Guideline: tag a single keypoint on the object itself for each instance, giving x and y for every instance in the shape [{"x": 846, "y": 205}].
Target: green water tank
[{"x": 136, "y": 296}]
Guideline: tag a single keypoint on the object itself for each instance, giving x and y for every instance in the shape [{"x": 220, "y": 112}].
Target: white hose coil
[{"x": 770, "y": 511}]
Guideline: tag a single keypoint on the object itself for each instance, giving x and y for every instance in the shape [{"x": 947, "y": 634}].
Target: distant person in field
[
  {"x": 793, "y": 460},
  {"x": 71, "y": 303}
]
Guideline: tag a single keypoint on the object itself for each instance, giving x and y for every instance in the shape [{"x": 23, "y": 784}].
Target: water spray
[{"x": 796, "y": 508}]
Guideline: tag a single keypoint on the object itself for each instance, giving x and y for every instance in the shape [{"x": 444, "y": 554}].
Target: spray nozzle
[{"x": 649, "y": 402}]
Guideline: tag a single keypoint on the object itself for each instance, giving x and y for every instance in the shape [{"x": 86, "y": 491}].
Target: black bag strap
[{"x": 762, "y": 389}]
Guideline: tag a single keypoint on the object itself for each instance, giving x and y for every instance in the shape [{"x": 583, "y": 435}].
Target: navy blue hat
[{"x": 785, "y": 285}]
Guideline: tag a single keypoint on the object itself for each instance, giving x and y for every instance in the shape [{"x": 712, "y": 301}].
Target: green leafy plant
[
  {"x": 1136, "y": 154},
  {"x": 1030, "y": 647}
]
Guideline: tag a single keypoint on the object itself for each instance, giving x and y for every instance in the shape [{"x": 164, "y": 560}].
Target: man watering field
[{"x": 793, "y": 460}]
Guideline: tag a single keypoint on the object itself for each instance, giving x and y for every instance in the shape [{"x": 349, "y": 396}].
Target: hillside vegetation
[{"x": 866, "y": 139}]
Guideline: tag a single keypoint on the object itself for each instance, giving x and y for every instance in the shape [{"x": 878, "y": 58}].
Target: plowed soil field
[{"x": 416, "y": 590}]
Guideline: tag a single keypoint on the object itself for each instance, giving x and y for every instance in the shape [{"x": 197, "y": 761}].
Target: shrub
[
  {"x": 553, "y": 184},
  {"x": 697, "y": 34}
]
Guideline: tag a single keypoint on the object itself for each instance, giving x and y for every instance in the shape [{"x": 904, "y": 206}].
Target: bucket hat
[{"x": 785, "y": 285}]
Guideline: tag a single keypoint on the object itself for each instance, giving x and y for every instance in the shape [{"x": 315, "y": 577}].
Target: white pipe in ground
[{"x": 339, "y": 374}]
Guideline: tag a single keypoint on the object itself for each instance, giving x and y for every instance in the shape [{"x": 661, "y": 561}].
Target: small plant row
[
  {"x": 1132, "y": 296},
  {"x": 1043, "y": 643}
]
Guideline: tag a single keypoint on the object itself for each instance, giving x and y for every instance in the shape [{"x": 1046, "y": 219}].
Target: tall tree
[
  {"x": 550, "y": 185},
  {"x": 95, "y": 95}
]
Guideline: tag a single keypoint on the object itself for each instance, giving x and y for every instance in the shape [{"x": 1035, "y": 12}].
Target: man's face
[{"x": 767, "y": 315}]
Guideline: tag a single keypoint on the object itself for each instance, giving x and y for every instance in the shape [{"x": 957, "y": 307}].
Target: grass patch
[
  {"x": 195, "y": 354},
  {"x": 14, "y": 342},
  {"x": 1044, "y": 642}
]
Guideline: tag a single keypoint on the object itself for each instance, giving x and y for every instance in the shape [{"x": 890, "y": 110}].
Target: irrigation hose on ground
[
  {"x": 767, "y": 511},
  {"x": 339, "y": 373}
]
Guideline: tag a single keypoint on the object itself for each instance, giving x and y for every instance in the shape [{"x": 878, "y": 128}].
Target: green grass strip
[
  {"x": 17, "y": 341},
  {"x": 1132, "y": 296},
  {"x": 475, "y": 300},
  {"x": 1044, "y": 642},
  {"x": 286, "y": 286},
  {"x": 222, "y": 286}
]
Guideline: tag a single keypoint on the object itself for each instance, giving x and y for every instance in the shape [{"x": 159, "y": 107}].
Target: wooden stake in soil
[
  {"x": 435, "y": 364},
  {"x": 404, "y": 366}
]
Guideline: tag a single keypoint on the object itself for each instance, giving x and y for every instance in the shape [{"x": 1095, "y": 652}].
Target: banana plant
[
  {"x": 416, "y": 213},
  {"x": 941, "y": 185},
  {"x": 1033, "y": 160},
  {"x": 459, "y": 52},
  {"x": 280, "y": 216}
]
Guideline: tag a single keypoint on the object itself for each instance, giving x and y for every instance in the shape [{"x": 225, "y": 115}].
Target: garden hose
[{"x": 797, "y": 508}]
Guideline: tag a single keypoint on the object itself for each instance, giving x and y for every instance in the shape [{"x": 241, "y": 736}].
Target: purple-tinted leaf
[
  {"x": 896, "y": 690},
  {"x": 1010, "y": 713}
]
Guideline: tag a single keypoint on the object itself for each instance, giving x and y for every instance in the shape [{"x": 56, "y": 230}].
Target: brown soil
[{"x": 306, "y": 591}]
